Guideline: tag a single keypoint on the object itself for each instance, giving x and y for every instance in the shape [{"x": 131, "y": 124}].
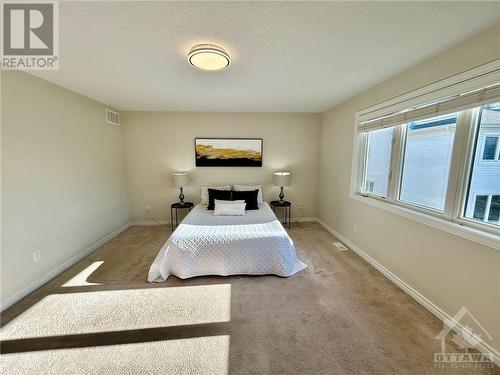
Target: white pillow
[
  {"x": 229, "y": 208},
  {"x": 250, "y": 188},
  {"x": 204, "y": 191},
  {"x": 220, "y": 201}
]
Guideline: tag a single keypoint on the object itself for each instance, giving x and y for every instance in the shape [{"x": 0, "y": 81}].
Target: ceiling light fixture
[{"x": 208, "y": 57}]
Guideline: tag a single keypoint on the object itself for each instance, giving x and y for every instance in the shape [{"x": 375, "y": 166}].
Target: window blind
[{"x": 475, "y": 98}]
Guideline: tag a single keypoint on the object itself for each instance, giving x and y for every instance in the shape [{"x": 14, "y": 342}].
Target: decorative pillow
[
  {"x": 204, "y": 191},
  {"x": 213, "y": 194},
  {"x": 228, "y": 202},
  {"x": 248, "y": 188},
  {"x": 229, "y": 208},
  {"x": 250, "y": 198}
]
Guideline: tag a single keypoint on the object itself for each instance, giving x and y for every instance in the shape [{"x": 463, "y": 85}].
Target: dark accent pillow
[
  {"x": 250, "y": 198},
  {"x": 213, "y": 194}
]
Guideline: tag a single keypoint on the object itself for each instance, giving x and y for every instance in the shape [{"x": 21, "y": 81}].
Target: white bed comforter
[{"x": 204, "y": 244}]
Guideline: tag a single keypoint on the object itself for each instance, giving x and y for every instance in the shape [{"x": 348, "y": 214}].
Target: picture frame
[{"x": 228, "y": 152}]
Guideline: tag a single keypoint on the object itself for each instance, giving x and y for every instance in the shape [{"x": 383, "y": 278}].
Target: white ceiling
[{"x": 286, "y": 57}]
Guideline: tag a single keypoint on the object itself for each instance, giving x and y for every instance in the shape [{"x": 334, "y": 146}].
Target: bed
[{"x": 204, "y": 244}]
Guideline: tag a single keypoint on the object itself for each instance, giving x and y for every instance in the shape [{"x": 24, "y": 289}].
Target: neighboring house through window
[
  {"x": 484, "y": 187},
  {"x": 427, "y": 160},
  {"x": 487, "y": 208},
  {"x": 378, "y": 162}
]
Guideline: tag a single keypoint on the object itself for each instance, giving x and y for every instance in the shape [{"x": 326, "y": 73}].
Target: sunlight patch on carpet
[
  {"x": 199, "y": 355},
  {"x": 81, "y": 278},
  {"x": 119, "y": 310}
]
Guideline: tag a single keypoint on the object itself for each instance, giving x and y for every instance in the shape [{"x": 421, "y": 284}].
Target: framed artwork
[{"x": 228, "y": 152}]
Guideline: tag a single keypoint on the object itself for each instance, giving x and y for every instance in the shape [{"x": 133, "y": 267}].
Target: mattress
[{"x": 204, "y": 244}]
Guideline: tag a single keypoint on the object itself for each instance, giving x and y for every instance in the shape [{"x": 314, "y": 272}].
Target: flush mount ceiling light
[{"x": 208, "y": 57}]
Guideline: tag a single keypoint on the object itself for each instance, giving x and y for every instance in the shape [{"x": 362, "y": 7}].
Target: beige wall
[
  {"x": 159, "y": 143},
  {"x": 450, "y": 271},
  {"x": 63, "y": 178}
]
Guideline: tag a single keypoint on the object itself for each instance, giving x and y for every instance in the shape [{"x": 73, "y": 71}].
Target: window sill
[{"x": 485, "y": 238}]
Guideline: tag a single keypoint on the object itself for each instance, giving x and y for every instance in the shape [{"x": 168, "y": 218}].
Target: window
[
  {"x": 427, "y": 160},
  {"x": 490, "y": 148},
  {"x": 484, "y": 185},
  {"x": 480, "y": 207},
  {"x": 487, "y": 208},
  {"x": 378, "y": 160},
  {"x": 435, "y": 159},
  {"x": 494, "y": 212}
]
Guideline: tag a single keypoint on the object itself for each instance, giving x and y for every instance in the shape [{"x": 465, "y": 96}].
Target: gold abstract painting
[{"x": 228, "y": 152}]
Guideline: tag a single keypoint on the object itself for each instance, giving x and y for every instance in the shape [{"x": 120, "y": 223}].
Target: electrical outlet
[
  {"x": 36, "y": 256},
  {"x": 147, "y": 209},
  {"x": 301, "y": 205},
  {"x": 355, "y": 227}
]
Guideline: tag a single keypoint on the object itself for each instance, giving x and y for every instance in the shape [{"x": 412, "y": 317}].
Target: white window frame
[{"x": 452, "y": 219}]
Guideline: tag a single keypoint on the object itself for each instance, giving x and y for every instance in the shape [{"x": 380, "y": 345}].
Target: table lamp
[
  {"x": 180, "y": 180},
  {"x": 281, "y": 179}
]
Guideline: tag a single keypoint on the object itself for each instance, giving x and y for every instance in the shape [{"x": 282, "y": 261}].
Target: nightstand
[
  {"x": 287, "y": 210},
  {"x": 174, "y": 218}
]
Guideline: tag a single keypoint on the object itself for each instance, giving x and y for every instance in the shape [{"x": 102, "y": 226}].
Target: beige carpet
[
  {"x": 199, "y": 355},
  {"x": 117, "y": 310},
  {"x": 339, "y": 316}
]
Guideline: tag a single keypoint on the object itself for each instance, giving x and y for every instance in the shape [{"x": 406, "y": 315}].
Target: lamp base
[
  {"x": 282, "y": 195},
  {"x": 181, "y": 196}
]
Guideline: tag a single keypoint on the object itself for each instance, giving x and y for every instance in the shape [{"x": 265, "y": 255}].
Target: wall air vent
[{"x": 112, "y": 117}]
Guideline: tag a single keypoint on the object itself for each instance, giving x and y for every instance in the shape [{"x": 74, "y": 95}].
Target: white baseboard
[
  {"x": 483, "y": 346},
  {"x": 164, "y": 222},
  {"x": 149, "y": 222},
  {"x": 56, "y": 271},
  {"x": 303, "y": 219}
]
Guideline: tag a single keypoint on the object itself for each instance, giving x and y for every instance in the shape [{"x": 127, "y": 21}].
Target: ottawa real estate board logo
[
  {"x": 468, "y": 339},
  {"x": 30, "y": 35}
]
